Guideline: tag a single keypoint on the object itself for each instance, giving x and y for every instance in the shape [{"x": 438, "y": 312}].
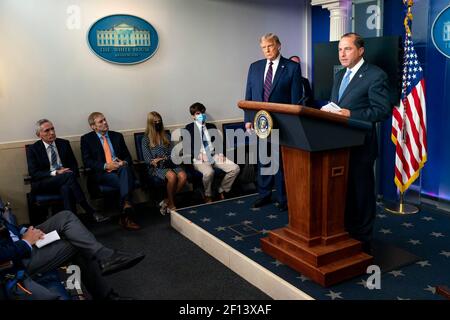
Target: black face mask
[{"x": 158, "y": 126}]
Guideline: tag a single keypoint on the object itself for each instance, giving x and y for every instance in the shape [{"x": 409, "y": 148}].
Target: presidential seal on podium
[{"x": 263, "y": 124}]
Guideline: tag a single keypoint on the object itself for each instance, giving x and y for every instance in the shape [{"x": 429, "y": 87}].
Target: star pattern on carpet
[
  {"x": 206, "y": 219},
  {"x": 437, "y": 234},
  {"x": 247, "y": 222},
  {"x": 303, "y": 278},
  {"x": 431, "y": 289},
  {"x": 424, "y": 263},
  {"x": 277, "y": 263},
  {"x": 237, "y": 238},
  {"x": 397, "y": 273},
  {"x": 362, "y": 283},
  {"x": 381, "y": 216},
  {"x": 256, "y": 250},
  {"x": 272, "y": 216},
  {"x": 192, "y": 211},
  {"x": 220, "y": 229},
  {"x": 414, "y": 242},
  {"x": 445, "y": 253},
  {"x": 385, "y": 231},
  {"x": 407, "y": 224},
  {"x": 231, "y": 214},
  {"x": 334, "y": 295},
  {"x": 427, "y": 218}
]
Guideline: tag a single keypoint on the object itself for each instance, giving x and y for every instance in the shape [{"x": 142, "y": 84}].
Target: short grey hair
[
  {"x": 39, "y": 123},
  {"x": 270, "y": 36}
]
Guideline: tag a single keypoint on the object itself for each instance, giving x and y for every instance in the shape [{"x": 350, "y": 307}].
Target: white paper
[
  {"x": 331, "y": 107},
  {"x": 48, "y": 238}
]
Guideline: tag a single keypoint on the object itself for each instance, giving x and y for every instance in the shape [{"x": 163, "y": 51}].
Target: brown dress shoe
[
  {"x": 128, "y": 224},
  {"x": 208, "y": 200}
]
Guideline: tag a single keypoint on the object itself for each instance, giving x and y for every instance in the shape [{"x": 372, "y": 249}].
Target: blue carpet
[{"x": 424, "y": 235}]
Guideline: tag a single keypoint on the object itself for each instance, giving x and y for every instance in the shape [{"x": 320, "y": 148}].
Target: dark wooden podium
[{"x": 315, "y": 150}]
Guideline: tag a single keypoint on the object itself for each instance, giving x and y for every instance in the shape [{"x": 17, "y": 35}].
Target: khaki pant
[{"x": 207, "y": 169}]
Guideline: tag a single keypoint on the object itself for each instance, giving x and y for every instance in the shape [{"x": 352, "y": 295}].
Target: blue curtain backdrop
[{"x": 436, "y": 173}]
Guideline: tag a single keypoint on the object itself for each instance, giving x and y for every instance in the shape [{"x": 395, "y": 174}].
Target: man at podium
[
  {"x": 361, "y": 90},
  {"x": 273, "y": 79}
]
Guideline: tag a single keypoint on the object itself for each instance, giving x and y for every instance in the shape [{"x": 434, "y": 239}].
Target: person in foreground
[
  {"x": 361, "y": 90},
  {"x": 77, "y": 245}
]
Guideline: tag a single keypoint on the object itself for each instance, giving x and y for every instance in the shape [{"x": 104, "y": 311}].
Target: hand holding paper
[
  {"x": 48, "y": 238},
  {"x": 331, "y": 107}
]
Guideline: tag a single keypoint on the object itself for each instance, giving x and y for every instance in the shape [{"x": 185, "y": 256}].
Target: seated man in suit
[
  {"x": 106, "y": 153},
  {"x": 204, "y": 156},
  {"x": 54, "y": 169},
  {"x": 77, "y": 244}
]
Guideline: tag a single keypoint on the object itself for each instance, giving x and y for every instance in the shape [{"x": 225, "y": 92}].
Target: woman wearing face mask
[{"x": 156, "y": 149}]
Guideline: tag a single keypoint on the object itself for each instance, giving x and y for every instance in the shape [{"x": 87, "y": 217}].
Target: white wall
[{"x": 206, "y": 46}]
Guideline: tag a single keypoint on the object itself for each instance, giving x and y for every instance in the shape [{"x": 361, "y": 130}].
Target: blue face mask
[{"x": 201, "y": 118}]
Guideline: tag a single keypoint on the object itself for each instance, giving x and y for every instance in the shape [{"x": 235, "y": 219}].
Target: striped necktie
[
  {"x": 268, "y": 82},
  {"x": 54, "y": 158}
]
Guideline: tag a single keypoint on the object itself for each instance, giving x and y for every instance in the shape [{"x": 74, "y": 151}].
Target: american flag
[{"x": 409, "y": 131}]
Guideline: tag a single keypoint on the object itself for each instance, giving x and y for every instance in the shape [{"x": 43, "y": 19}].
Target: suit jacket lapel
[
  {"x": 260, "y": 76},
  {"x": 357, "y": 78},
  {"x": 278, "y": 73},
  {"x": 43, "y": 153}
]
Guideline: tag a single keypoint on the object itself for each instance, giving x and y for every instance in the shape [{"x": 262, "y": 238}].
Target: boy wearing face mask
[
  {"x": 156, "y": 148},
  {"x": 205, "y": 155}
]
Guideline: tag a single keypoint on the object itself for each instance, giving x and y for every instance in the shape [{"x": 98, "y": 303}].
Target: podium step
[
  {"x": 317, "y": 255},
  {"x": 327, "y": 265}
]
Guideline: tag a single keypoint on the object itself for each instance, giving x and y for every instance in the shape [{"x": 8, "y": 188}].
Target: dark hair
[
  {"x": 197, "y": 107},
  {"x": 358, "y": 41}
]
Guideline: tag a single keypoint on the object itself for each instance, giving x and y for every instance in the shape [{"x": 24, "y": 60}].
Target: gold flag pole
[{"x": 402, "y": 208}]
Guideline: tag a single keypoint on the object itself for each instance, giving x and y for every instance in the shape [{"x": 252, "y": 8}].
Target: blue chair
[{"x": 39, "y": 204}]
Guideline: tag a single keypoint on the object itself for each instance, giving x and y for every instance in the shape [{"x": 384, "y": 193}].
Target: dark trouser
[
  {"x": 267, "y": 182},
  {"x": 361, "y": 203},
  {"x": 122, "y": 179},
  {"x": 78, "y": 245},
  {"x": 66, "y": 184}
]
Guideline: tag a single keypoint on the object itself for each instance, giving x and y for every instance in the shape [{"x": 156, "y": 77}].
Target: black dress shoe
[
  {"x": 119, "y": 261},
  {"x": 262, "y": 202}
]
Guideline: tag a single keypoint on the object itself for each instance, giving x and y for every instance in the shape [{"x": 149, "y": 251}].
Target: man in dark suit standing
[
  {"x": 362, "y": 92},
  {"x": 106, "y": 153},
  {"x": 273, "y": 79},
  {"x": 54, "y": 169}
]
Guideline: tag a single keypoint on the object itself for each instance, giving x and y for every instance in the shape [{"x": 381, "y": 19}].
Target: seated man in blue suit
[
  {"x": 279, "y": 80},
  {"x": 204, "y": 153},
  {"x": 106, "y": 153},
  {"x": 362, "y": 92},
  {"x": 77, "y": 244},
  {"x": 54, "y": 169}
]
